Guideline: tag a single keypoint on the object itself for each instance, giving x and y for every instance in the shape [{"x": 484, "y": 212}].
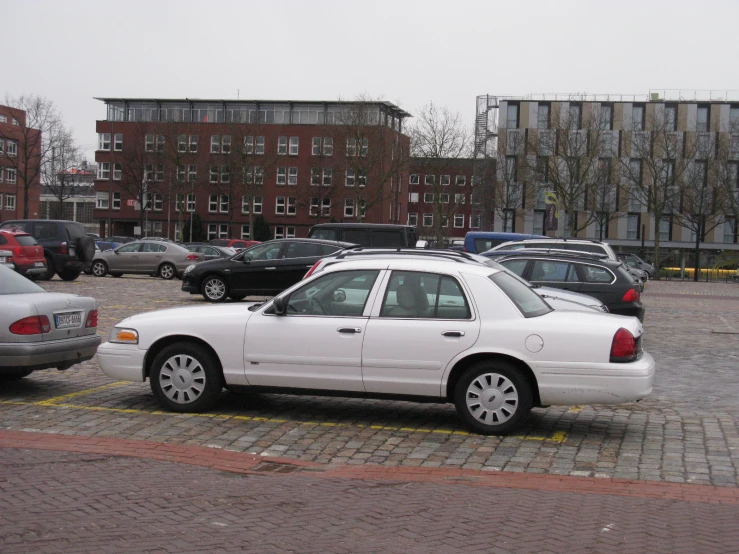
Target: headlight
[
  {"x": 124, "y": 336},
  {"x": 189, "y": 268}
]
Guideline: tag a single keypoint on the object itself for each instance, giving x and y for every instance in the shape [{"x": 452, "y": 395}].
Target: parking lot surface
[{"x": 686, "y": 432}]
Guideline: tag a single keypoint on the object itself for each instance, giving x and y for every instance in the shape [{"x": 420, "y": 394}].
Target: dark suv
[
  {"x": 376, "y": 235},
  {"x": 67, "y": 248}
]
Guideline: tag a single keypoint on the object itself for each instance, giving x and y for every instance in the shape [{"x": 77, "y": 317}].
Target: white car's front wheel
[
  {"x": 493, "y": 397},
  {"x": 186, "y": 378}
]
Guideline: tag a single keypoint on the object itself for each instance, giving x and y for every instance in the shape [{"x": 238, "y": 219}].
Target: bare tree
[
  {"x": 604, "y": 203},
  {"x": 325, "y": 181},
  {"x": 726, "y": 174},
  {"x": 59, "y": 173},
  {"x": 31, "y": 139},
  {"x": 507, "y": 191},
  {"x": 439, "y": 140},
  {"x": 654, "y": 166},
  {"x": 180, "y": 155}
]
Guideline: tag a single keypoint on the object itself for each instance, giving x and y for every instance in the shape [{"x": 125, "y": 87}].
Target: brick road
[{"x": 685, "y": 433}]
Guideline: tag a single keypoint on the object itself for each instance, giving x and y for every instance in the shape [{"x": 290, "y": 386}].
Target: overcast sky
[{"x": 408, "y": 52}]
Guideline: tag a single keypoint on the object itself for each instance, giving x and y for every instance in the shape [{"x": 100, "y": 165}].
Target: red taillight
[
  {"x": 63, "y": 248},
  {"x": 192, "y": 257},
  {"x": 312, "y": 269},
  {"x": 34, "y": 325},
  {"x": 92, "y": 319},
  {"x": 630, "y": 295},
  {"x": 623, "y": 347}
]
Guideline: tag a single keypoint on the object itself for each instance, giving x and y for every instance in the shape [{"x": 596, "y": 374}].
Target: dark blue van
[{"x": 478, "y": 242}]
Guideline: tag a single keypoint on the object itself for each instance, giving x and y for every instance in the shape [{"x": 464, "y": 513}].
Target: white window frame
[
  {"x": 213, "y": 203},
  {"x": 282, "y": 146},
  {"x": 350, "y": 180},
  {"x": 349, "y": 207},
  {"x": 327, "y": 179},
  {"x": 414, "y": 179},
  {"x": 158, "y": 202},
  {"x": 160, "y": 142},
  {"x": 279, "y": 205},
  {"x": 215, "y": 173},
  {"x": 103, "y": 171},
  {"x": 245, "y": 231},
  {"x": 429, "y": 180},
  {"x": 292, "y": 205},
  {"x": 413, "y": 198},
  {"x": 215, "y": 147},
  {"x": 11, "y": 148},
  {"x": 474, "y": 222},
  {"x": 190, "y": 202},
  {"x": 328, "y": 146},
  {"x": 313, "y": 206},
  {"x": 281, "y": 177},
  {"x": 413, "y": 219},
  {"x": 460, "y": 180},
  {"x": 182, "y": 144},
  {"x": 292, "y": 176},
  {"x": 445, "y": 180},
  {"x": 458, "y": 221},
  {"x": 316, "y": 146},
  {"x": 259, "y": 146},
  {"x": 428, "y": 220},
  {"x": 428, "y": 197},
  {"x": 257, "y": 204},
  {"x": 460, "y": 199},
  {"x": 149, "y": 143},
  {"x": 117, "y": 171},
  {"x": 104, "y": 141},
  {"x": 326, "y": 207},
  {"x": 294, "y": 146},
  {"x": 102, "y": 201},
  {"x": 279, "y": 231},
  {"x": 116, "y": 200},
  {"x": 226, "y": 144},
  {"x": 193, "y": 144},
  {"x": 444, "y": 198},
  {"x": 9, "y": 201}
]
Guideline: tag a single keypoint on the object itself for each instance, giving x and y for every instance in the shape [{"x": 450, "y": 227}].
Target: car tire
[
  {"x": 237, "y": 297},
  {"x": 493, "y": 397},
  {"x": 49, "y": 270},
  {"x": 214, "y": 288},
  {"x": 85, "y": 248},
  {"x": 116, "y": 274},
  {"x": 69, "y": 274},
  {"x": 186, "y": 378},
  {"x": 167, "y": 271},
  {"x": 99, "y": 268},
  {"x": 15, "y": 375}
]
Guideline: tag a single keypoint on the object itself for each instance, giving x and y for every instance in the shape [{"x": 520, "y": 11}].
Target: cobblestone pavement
[{"x": 686, "y": 432}]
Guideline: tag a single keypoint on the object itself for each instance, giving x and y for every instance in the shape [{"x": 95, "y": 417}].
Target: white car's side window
[
  {"x": 412, "y": 294},
  {"x": 343, "y": 293}
]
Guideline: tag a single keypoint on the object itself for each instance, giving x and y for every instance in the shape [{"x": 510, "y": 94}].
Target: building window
[
  {"x": 428, "y": 197},
  {"x": 225, "y": 174},
  {"x": 12, "y": 148},
  {"x": 226, "y": 144},
  {"x": 292, "y": 176},
  {"x": 259, "y": 146},
  {"x": 149, "y": 143},
  {"x": 326, "y": 207},
  {"x": 9, "y": 201},
  {"x": 182, "y": 144},
  {"x": 103, "y": 141},
  {"x": 192, "y": 172},
  {"x": 475, "y": 199},
  {"x": 430, "y": 180},
  {"x": 702, "y": 124},
  {"x": 474, "y": 222},
  {"x": 103, "y": 170},
  {"x": 158, "y": 202},
  {"x": 280, "y": 205},
  {"x": 606, "y": 117},
  {"x": 279, "y": 232},
  {"x": 244, "y": 204},
  {"x": 292, "y": 208},
  {"x": 670, "y": 117},
  {"x": 575, "y": 116},
  {"x": 460, "y": 180},
  {"x": 212, "y": 231},
  {"x": 413, "y": 219},
  {"x": 327, "y": 173},
  {"x": 444, "y": 198},
  {"x": 665, "y": 225},
  {"x": 512, "y": 116},
  {"x": 257, "y": 204},
  {"x": 282, "y": 146},
  {"x": 428, "y": 220},
  {"x": 446, "y": 180},
  {"x": 362, "y": 178},
  {"x": 539, "y": 222},
  {"x": 3, "y": 118},
  {"x": 354, "y": 146},
  {"x": 213, "y": 203},
  {"x": 215, "y": 144},
  {"x": 632, "y": 227},
  {"x": 458, "y": 221},
  {"x": 245, "y": 234},
  {"x": 460, "y": 199},
  {"x": 190, "y": 202},
  {"x": 215, "y": 172},
  {"x": 116, "y": 200},
  {"x": 414, "y": 179},
  {"x": 350, "y": 178},
  {"x": 281, "y": 175},
  {"x": 313, "y": 209},
  {"x": 160, "y": 143},
  {"x": 729, "y": 230},
  {"x": 293, "y": 146},
  {"x": 510, "y": 169},
  {"x": 316, "y": 146},
  {"x": 542, "y": 120},
  {"x": 349, "y": 207},
  {"x": 290, "y": 232},
  {"x": 102, "y": 201},
  {"x": 117, "y": 172},
  {"x": 2, "y": 147},
  {"x": 637, "y": 117},
  {"x": 193, "y": 144},
  {"x": 413, "y": 197}
]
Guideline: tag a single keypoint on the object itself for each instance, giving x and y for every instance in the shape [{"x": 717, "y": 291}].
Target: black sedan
[
  {"x": 607, "y": 280},
  {"x": 264, "y": 270}
]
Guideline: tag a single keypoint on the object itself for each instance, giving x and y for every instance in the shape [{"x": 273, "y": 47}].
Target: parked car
[
  {"x": 478, "y": 242},
  {"x": 6, "y": 259},
  {"x": 632, "y": 260},
  {"x": 410, "y": 328},
  {"x": 40, "y": 330},
  {"x": 605, "y": 279},
  {"x": 557, "y": 298},
  {"x": 148, "y": 257},
  {"x": 120, "y": 239},
  {"x": 28, "y": 255},
  {"x": 67, "y": 248},
  {"x": 376, "y": 235},
  {"x": 236, "y": 244},
  {"x": 266, "y": 269},
  {"x": 211, "y": 252}
]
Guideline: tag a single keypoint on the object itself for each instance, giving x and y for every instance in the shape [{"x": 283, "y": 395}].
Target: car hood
[
  {"x": 177, "y": 318},
  {"x": 218, "y": 263}
]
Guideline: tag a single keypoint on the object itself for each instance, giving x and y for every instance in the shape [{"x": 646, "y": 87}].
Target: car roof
[
  {"x": 560, "y": 256},
  {"x": 392, "y": 253},
  {"x": 411, "y": 264},
  {"x": 547, "y": 251},
  {"x": 363, "y": 225},
  {"x": 316, "y": 241}
]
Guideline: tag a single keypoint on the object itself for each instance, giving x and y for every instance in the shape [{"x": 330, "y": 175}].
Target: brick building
[
  {"x": 20, "y": 160},
  {"x": 296, "y": 163}
]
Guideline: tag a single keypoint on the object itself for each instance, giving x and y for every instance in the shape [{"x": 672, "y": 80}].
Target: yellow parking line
[
  {"x": 557, "y": 437},
  {"x": 54, "y": 400},
  {"x": 575, "y": 409}
]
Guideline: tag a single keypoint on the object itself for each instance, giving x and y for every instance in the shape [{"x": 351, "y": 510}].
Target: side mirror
[{"x": 280, "y": 304}]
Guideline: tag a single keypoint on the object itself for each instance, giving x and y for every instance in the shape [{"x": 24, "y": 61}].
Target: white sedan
[{"x": 423, "y": 329}]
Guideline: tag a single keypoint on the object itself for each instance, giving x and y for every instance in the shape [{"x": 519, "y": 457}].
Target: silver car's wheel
[
  {"x": 215, "y": 289},
  {"x": 493, "y": 396},
  {"x": 167, "y": 271},
  {"x": 99, "y": 269},
  {"x": 186, "y": 378}
]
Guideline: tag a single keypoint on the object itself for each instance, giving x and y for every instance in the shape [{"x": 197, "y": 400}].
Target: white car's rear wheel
[
  {"x": 493, "y": 397},
  {"x": 186, "y": 378}
]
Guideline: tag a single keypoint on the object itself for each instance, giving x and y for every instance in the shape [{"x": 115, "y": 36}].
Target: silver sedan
[
  {"x": 149, "y": 257},
  {"x": 6, "y": 259},
  {"x": 40, "y": 330}
]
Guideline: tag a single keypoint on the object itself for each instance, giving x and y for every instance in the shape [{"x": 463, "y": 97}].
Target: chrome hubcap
[
  {"x": 492, "y": 398},
  {"x": 182, "y": 379},
  {"x": 166, "y": 271},
  {"x": 215, "y": 289},
  {"x": 98, "y": 269}
]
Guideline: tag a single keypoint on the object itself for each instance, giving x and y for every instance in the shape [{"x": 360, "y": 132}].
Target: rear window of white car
[
  {"x": 15, "y": 283},
  {"x": 526, "y": 300}
]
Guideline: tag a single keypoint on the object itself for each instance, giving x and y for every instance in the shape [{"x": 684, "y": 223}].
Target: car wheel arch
[
  {"x": 461, "y": 366},
  {"x": 164, "y": 342}
]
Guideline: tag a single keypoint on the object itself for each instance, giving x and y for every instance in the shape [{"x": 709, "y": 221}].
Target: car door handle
[
  {"x": 270, "y": 268},
  {"x": 349, "y": 330},
  {"x": 453, "y": 333}
]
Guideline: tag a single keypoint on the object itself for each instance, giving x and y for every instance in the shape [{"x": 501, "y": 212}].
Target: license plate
[
  {"x": 72, "y": 319},
  {"x": 39, "y": 264}
]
